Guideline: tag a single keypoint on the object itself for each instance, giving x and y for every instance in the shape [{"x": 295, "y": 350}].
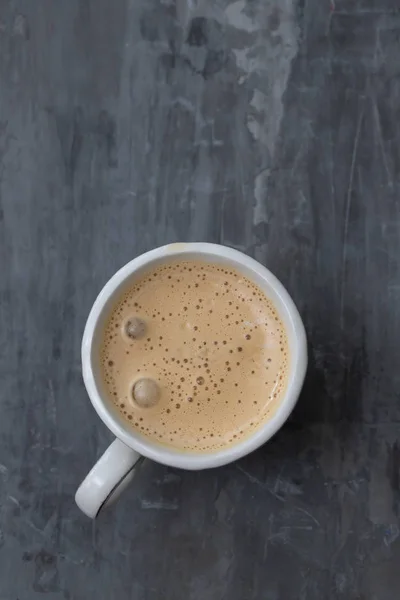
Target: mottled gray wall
[{"x": 268, "y": 125}]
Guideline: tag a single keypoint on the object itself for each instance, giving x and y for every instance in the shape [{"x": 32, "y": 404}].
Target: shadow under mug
[{"x": 116, "y": 467}]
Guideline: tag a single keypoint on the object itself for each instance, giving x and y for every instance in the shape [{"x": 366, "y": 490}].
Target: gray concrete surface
[{"x": 268, "y": 125}]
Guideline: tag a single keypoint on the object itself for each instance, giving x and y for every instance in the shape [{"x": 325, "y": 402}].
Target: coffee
[{"x": 207, "y": 347}]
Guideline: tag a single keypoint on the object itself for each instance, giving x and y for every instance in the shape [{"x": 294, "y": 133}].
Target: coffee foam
[{"x": 215, "y": 345}]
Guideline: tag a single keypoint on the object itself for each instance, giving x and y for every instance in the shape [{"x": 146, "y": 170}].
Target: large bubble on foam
[
  {"x": 146, "y": 393},
  {"x": 135, "y": 328}
]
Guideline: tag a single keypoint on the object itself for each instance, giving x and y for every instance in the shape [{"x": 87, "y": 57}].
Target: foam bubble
[
  {"x": 135, "y": 328},
  {"x": 146, "y": 392}
]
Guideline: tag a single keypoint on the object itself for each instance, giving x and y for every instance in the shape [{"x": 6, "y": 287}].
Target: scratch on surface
[
  {"x": 347, "y": 211},
  {"x": 209, "y": 144},
  {"x": 67, "y": 558},
  {"x": 380, "y": 140},
  {"x": 32, "y": 526},
  {"x": 275, "y": 489},
  {"x": 158, "y": 505},
  {"x": 191, "y": 108},
  {"x": 341, "y": 582},
  {"x": 282, "y": 536},
  {"x": 124, "y": 194},
  {"x": 331, "y": 11},
  {"x": 368, "y": 11},
  {"x": 3, "y": 469},
  {"x": 296, "y": 160},
  {"x": 21, "y": 27},
  {"x": 14, "y": 500},
  {"x": 286, "y": 487},
  {"x": 391, "y": 535},
  {"x": 53, "y": 409},
  {"x": 378, "y": 47},
  {"x": 47, "y": 529},
  {"x": 171, "y": 478},
  {"x": 250, "y": 477},
  {"x": 304, "y": 511}
]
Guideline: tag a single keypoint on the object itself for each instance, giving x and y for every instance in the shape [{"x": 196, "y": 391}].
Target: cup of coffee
[{"x": 193, "y": 355}]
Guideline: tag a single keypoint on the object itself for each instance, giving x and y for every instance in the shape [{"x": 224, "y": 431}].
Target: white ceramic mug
[{"x": 115, "y": 469}]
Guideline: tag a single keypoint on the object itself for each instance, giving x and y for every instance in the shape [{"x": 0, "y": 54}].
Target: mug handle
[{"x": 109, "y": 477}]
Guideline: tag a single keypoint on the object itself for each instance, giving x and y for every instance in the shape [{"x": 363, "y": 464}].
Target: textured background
[{"x": 272, "y": 126}]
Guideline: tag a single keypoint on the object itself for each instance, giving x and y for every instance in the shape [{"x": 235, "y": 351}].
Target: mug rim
[{"x": 165, "y": 454}]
